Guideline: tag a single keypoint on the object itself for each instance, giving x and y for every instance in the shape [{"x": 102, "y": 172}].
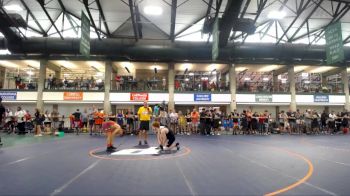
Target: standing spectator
[
  {"x": 188, "y": 122},
  {"x": 20, "y": 120},
  {"x": 173, "y": 121},
  {"x": 292, "y": 121},
  {"x": 47, "y": 122},
  {"x": 130, "y": 122},
  {"x": 49, "y": 81},
  {"x": 156, "y": 110},
  {"x": 76, "y": 83},
  {"x": 182, "y": 123},
  {"x": 202, "y": 118},
  {"x": 216, "y": 122},
  {"x": 91, "y": 121},
  {"x": 235, "y": 121},
  {"x": 244, "y": 122},
  {"x": 117, "y": 82},
  {"x": 98, "y": 116},
  {"x": 163, "y": 117},
  {"x": 38, "y": 120},
  {"x": 77, "y": 121},
  {"x": 331, "y": 122},
  {"x": 84, "y": 119},
  {"x": 2, "y": 116},
  {"x": 195, "y": 121},
  {"x": 55, "y": 121},
  {"x": 324, "y": 118},
  {"x": 208, "y": 122},
  {"x": 144, "y": 114},
  {"x": 120, "y": 118},
  {"x": 18, "y": 81}
]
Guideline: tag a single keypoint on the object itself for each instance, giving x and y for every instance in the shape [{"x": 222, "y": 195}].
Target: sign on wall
[
  {"x": 8, "y": 96},
  {"x": 263, "y": 98},
  {"x": 138, "y": 96},
  {"x": 321, "y": 98},
  {"x": 334, "y": 43},
  {"x": 72, "y": 96},
  {"x": 202, "y": 97},
  {"x": 84, "y": 48}
]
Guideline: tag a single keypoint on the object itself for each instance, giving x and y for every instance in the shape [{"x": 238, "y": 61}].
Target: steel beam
[
  {"x": 42, "y": 4},
  {"x": 173, "y": 20},
  {"x": 34, "y": 18},
  {"x": 131, "y": 7},
  {"x": 103, "y": 17},
  {"x": 86, "y": 4}
]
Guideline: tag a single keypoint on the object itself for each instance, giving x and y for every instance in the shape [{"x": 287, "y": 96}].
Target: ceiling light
[
  {"x": 277, "y": 15},
  {"x": 187, "y": 79},
  {"x": 307, "y": 82},
  {"x": 265, "y": 79},
  {"x": 30, "y": 72},
  {"x": 8, "y": 64},
  {"x": 322, "y": 69},
  {"x": 191, "y": 74},
  {"x": 300, "y": 68},
  {"x": 153, "y": 10},
  {"x": 246, "y": 79},
  {"x": 13, "y": 7},
  {"x": 304, "y": 75},
  {"x": 268, "y": 68},
  {"x": 239, "y": 69},
  {"x": 99, "y": 74}
]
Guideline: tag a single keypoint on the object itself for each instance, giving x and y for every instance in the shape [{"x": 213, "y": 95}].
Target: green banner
[
  {"x": 334, "y": 43},
  {"x": 85, "y": 35},
  {"x": 215, "y": 46},
  {"x": 263, "y": 98}
]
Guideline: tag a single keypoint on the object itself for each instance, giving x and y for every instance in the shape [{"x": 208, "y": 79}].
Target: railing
[
  {"x": 200, "y": 86},
  {"x": 317, "y": 87},
  {"x": 139, "y": 85},
  {"x": 11, "y": 84},
  {"x": 263, "y": 87},
  {"x": 87, "y": 84}
]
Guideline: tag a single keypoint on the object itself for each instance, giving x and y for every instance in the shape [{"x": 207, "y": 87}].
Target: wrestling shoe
[{"x": 177, "y": 146}]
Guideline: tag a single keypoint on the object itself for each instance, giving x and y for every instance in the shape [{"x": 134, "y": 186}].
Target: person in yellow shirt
[{"x": 144, "y": 114}]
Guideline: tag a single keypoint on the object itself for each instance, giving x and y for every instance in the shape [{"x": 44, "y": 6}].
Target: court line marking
[
  {"x": 91, "y": 153},
  {"x": 64, "y": 186},
  {"x": 280, "y": 172},
  {"x": 17, "y": 161},
  {"x": 303, "y": 140},
  {"x": 188, "y": 183},
  {"x": 291, "y": 186}
]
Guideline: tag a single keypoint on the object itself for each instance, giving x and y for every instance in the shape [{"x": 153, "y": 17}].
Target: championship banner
[
  {"x": 138, "y": 96},
  {"x": 73, "y": 96}
]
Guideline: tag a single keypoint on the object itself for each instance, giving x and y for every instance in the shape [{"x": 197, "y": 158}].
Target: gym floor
[{"x": 215, "y": 165}]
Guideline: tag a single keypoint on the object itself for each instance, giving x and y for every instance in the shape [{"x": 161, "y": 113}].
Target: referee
[{"x": 144, "y": 114}]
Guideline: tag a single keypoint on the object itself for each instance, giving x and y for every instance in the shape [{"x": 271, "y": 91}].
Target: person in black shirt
[
  {"x": 202, "y": 116},
  {"x": 235, "y": 117},
  {"x": 77, "y": 121},
  {"x": 244, "y": 122},
  {"x": 165, "y": 136},
  {"x": 324, "y": 118},
  {"x": 2, "y": 115},
  {"x": 292, "y": 121}
]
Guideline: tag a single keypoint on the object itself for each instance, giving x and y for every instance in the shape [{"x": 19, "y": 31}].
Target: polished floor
[{"x": 214, "y": 165}]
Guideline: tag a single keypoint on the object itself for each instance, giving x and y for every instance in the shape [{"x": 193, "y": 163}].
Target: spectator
[{"x": 20, "y": 120}]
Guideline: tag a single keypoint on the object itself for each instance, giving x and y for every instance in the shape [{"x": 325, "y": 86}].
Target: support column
[
  {"x": 233, "y": 86},
  {"x": 291, "y": 79},
  {"x": 324, "y": 81},
  {"x": 171, "y": 86},
  {"x": 41, "y": 83},
  {"x": 58, "y": 74},
  {"x": 345, "y": 80},
  {"x": 106, "y": 102}
]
